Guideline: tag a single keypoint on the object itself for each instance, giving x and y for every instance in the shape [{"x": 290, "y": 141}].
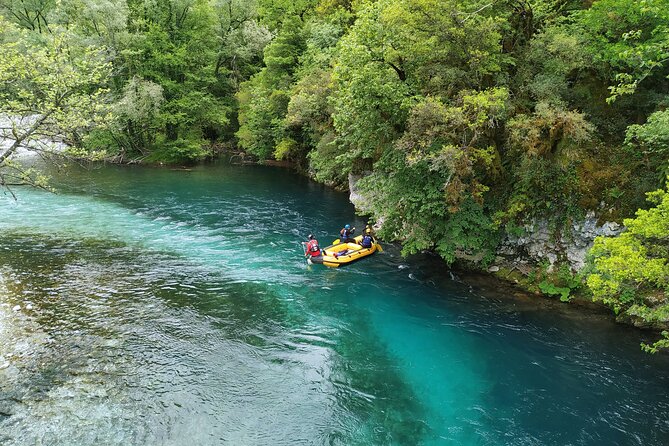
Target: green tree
[
  {"x": 274, "y": 13},
  {"x": 263, "y": 100},
  {"x": 241, "y": 41},
  {"x": 102, "y": 22},
  {"x": 399, "y": 52},
  {"x": 630, "y": 272},
  {"x": 51, "y": 92},
  {"x": 546, "y": 148},
  {"x": 137, "y": 120},
  {"x": 429, "y": 189},
  {"x": 630, "y": 40},
  {"x": 29, "y": 14},
  {"x": 650, "y": 142},
  {"x": 174, "y": 52},
  {"x": 309, "y": 115}
]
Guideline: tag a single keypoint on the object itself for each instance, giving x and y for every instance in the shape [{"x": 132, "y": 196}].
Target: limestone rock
[{"x": 539, "y": 244}]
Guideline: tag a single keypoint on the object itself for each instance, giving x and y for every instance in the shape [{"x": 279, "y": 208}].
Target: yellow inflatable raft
[{"x": 339, "y": 254}]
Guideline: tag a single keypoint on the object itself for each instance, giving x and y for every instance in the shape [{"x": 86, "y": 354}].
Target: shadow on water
[{"x": 556, "y": 374}]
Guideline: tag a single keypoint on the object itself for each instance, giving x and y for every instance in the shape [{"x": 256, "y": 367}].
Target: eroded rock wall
[{"x": 539, "y": 243}]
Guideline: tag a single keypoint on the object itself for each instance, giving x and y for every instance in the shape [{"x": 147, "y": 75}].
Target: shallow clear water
[{"x": 162, "y": 307}]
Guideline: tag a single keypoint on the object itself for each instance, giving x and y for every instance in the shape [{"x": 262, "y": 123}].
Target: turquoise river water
[{"x": 157, "y": 307}]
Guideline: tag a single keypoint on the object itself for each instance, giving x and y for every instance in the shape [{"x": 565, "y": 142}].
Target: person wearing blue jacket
[
  {"x": 367, "y": 239},
  {"x": 346, "y": 234}
]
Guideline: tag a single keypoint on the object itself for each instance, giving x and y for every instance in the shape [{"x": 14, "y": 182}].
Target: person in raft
[
  {"x": 367, "y": 239},
  {"x": 312, "y": 248},
  {"x": 346, "y": 234}
]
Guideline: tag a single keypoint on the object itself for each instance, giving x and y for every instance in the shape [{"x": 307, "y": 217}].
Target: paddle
[
  {"x": 335, "y": 242},
  {"x": 378, "y": 246}
]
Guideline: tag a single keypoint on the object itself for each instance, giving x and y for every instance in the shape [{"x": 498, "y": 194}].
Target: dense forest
[{"x": 464, "y": 119}]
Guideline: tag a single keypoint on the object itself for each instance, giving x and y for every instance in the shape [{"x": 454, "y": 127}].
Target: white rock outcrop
[{"x": 539, "y": 243}]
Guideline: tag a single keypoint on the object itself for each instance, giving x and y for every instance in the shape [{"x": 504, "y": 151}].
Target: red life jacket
[{"x": 312, "y": 248}]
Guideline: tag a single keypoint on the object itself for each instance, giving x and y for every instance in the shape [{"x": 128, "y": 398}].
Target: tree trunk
[{"x": 18, "y": 139}]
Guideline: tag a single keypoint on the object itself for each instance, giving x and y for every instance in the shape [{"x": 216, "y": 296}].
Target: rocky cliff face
[
  {"x": 538, "y": 243},
  {"x": 358, "y": 200}
]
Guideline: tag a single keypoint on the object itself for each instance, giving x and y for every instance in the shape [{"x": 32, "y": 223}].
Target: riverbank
[
  {"x": 512, "y": 287},
  {"x": 529, "y": 274}
]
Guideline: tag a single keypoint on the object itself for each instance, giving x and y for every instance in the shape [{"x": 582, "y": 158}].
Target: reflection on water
[{"x": 156, "y": 307}]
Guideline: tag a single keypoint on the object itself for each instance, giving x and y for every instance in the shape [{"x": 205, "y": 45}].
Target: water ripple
[{"x": 163, "y": 309}]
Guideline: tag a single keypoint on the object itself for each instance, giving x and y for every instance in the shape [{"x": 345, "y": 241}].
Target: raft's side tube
[{"x": 317, "y": 259}]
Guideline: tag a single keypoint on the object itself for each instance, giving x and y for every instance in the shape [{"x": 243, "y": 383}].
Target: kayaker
[
  {"x": 367, "y": 239},
  {"x": 312, "y": 248},
  {"x": 346, "y": 234}
]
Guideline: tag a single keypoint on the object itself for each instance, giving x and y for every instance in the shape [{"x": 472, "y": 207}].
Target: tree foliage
[
  {"x": 51, "y": 92},
  {"x": 183, "y": 60},
  {"x": 631, "y": 271},
  {"x": 263, "y": 100},
  {"x": 430, "y": 187},
  {"x": 629, "y": 39}
]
